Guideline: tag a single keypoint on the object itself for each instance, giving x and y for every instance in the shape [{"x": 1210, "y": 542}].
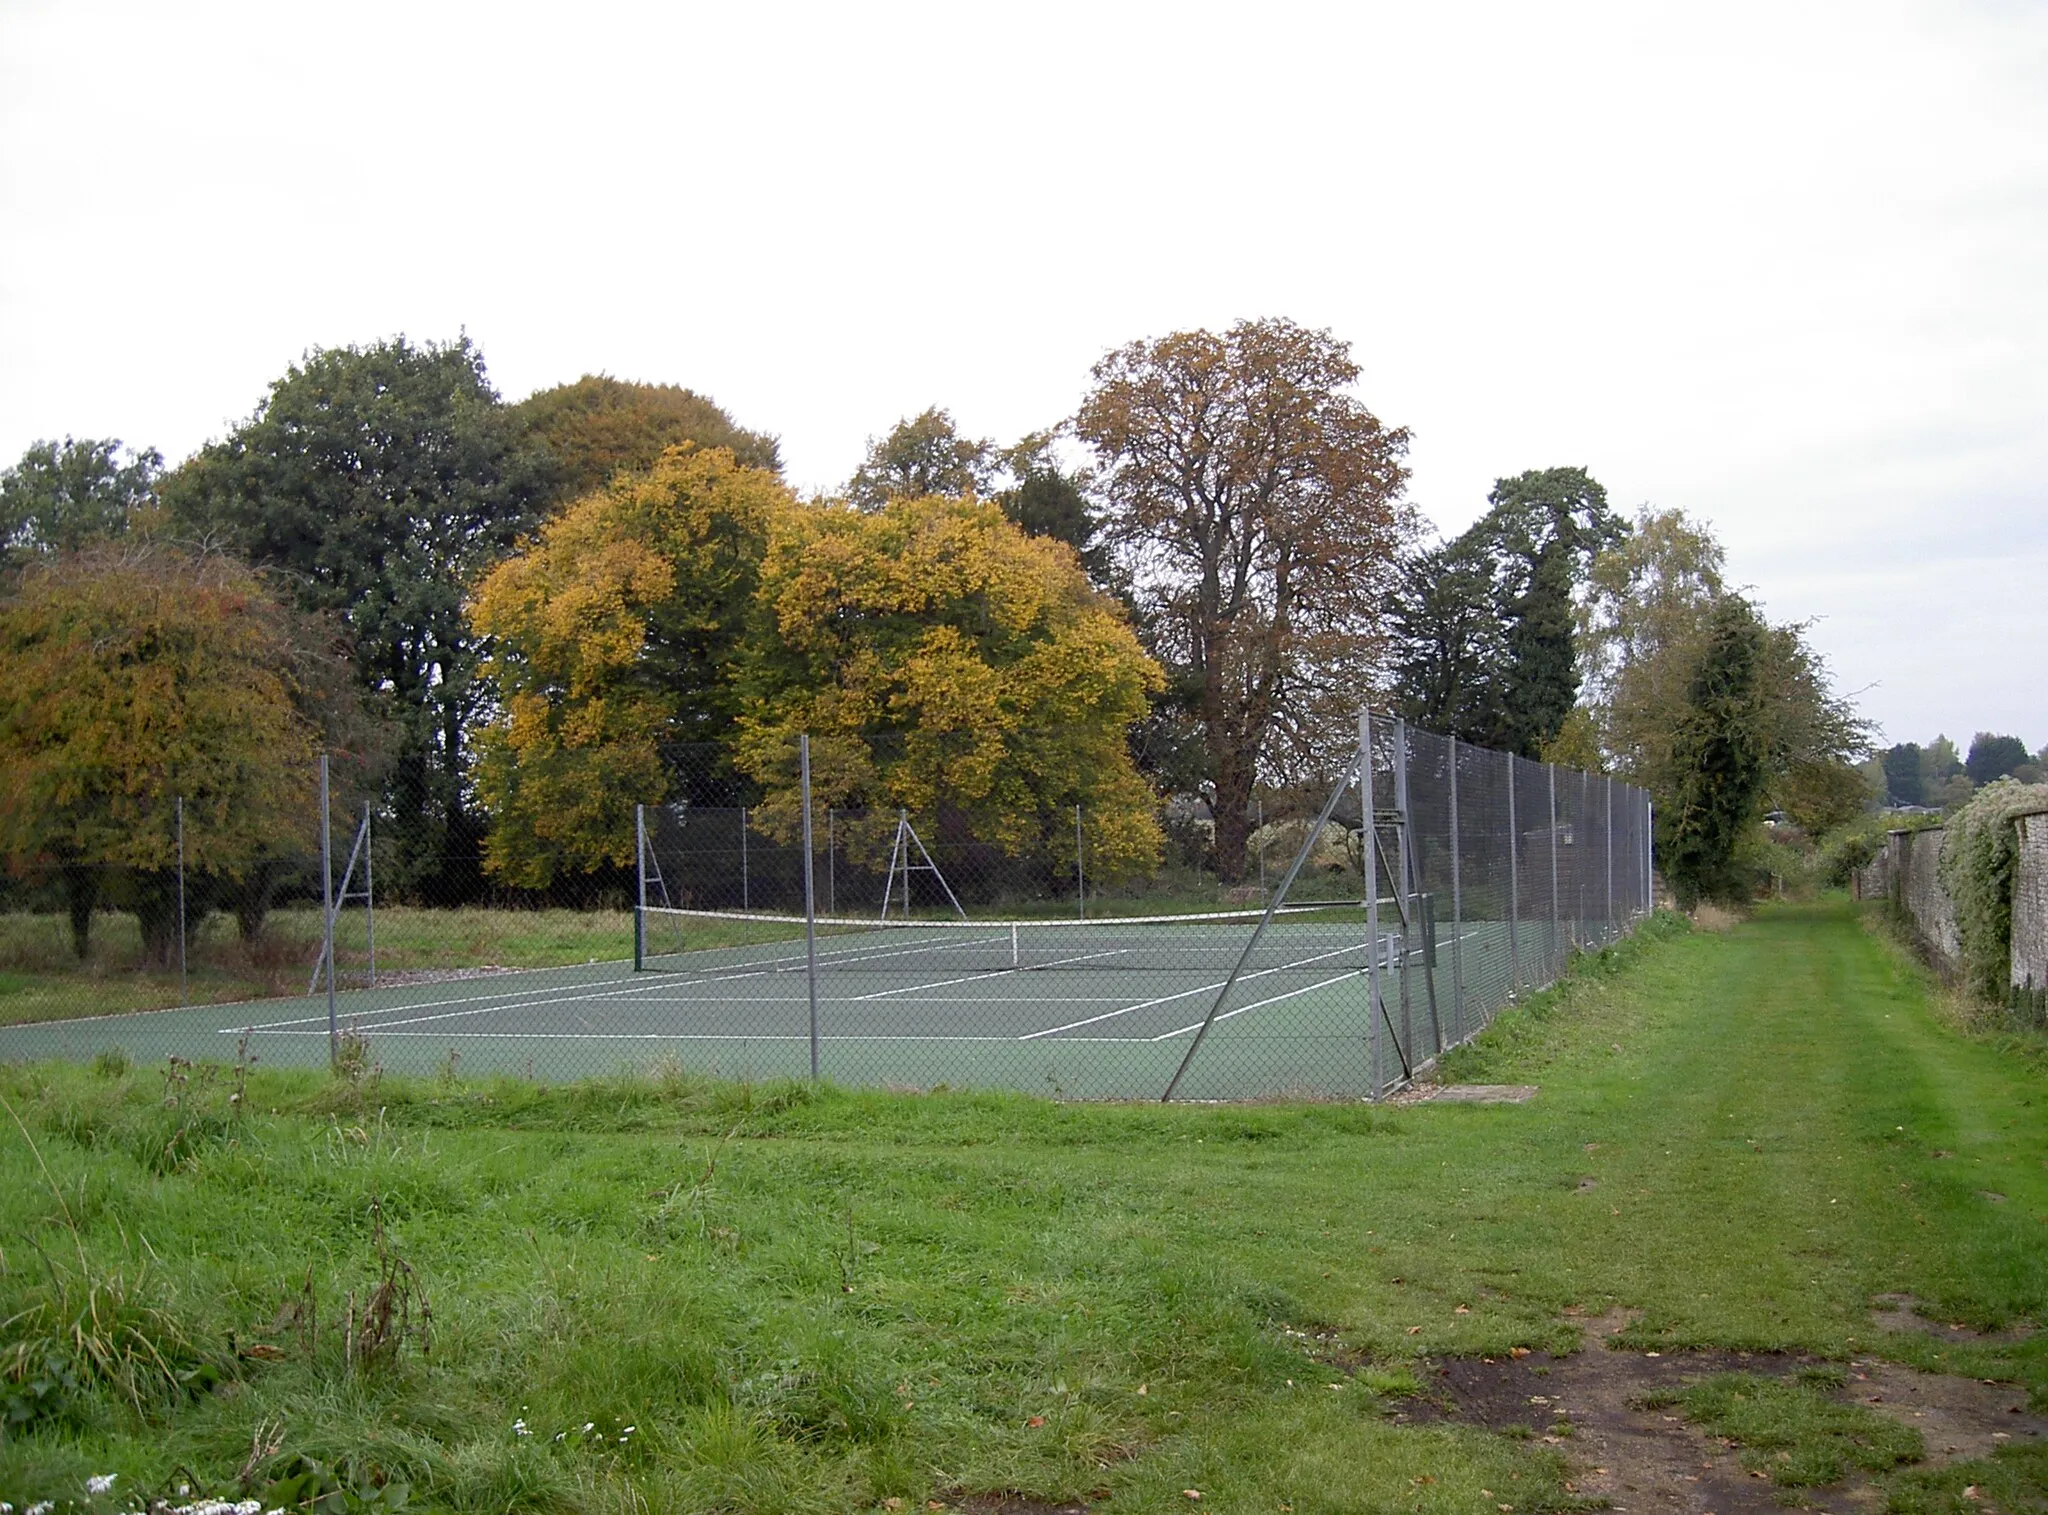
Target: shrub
[{"x": 1978, "y": 856}]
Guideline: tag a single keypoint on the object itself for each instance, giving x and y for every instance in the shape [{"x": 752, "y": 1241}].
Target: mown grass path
[{"x": 826, "y": 1301}]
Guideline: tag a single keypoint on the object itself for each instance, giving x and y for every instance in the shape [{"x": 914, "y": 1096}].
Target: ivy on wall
[{"x": 1979, "y": 855}]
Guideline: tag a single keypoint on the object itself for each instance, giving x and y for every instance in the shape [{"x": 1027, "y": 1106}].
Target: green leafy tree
[
  {"x": 1450, "y": 649},
  {"x": 62, "y": 495},
  {"x": 1047, "y": 500},
  {"x": 131, "y": 674},
  {"x": 385, "y": 480},
  {"x": 1721, "y": 759},
  {"x": 1543, "y": 530},
  {"x": 1258, "y": 506},
  {"x": 598, "y": 426},
  {"x": 1994, "y": 757},
  {"x": 1646, "y": 602},
  {"x": 922, "y": 456},
  {"x": 945, "y": 663},
  {"x": 612, "y": 638},
  {"x": 1905, "y": 774}
]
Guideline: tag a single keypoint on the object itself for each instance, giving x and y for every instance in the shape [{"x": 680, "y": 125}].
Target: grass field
[
  {"x": 671, "y": 1294},
  {"x": 41, "y": 979}
]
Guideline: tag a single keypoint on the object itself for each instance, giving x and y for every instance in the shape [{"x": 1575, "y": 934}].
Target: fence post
[
  {"x": 1457, "y": 913},
  {"x": 1409, "y": 911},
  {"x": 327, "y": 909},
  {"x": 746, "y": 893},
  {"x": 1514, "y": 882},
  {"x": 1609, "y": 830},
  {"x": 184, "y": 994},
  {"x": 1371, "y": 838},
  {"x": 370, "y": 892},
  {"x": 810, "y": 899},
  {"x": 1649, "y": 853},
  {"x": 831, "y": 865},
  {"x": 639, "y": 888},
  {"x": 1080, "y": 878},
  {"x": 1556, "y": 916}
]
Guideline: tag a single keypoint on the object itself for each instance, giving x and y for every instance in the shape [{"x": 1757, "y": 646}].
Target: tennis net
[{"x": 1323, "y": 937}]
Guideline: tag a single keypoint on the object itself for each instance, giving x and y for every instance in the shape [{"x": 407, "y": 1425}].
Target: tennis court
[{"x": 1102, "y": 1009}]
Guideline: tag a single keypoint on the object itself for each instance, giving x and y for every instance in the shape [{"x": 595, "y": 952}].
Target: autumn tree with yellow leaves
[
  {"x": 945, "y": 663},
  {"x": 138, "y": 673},
  {"x": 609, "y": 638}
]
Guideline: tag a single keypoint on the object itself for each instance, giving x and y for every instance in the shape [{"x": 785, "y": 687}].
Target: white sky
[{"x": 1779, "y": 264}]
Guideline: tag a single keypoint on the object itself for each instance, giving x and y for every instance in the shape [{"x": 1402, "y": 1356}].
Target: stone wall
[
  {"x": 1906, "y": 872},
  {"x": 2030, "y": 907}
]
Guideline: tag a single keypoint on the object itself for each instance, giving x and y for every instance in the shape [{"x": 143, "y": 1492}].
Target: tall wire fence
[{"x": 1330, "y": 941}]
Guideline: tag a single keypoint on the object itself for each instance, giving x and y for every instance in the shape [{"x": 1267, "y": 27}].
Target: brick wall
[{"x": 2030, "y": 906}]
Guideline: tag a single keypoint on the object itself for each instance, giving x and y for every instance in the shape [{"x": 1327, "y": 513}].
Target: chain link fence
[{"x": 1330, "y": 942}]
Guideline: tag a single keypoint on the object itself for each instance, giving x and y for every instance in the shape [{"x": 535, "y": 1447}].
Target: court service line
[
  {"x": 1258, "y": 1004},
  {"x": 1167, "y": 999}
]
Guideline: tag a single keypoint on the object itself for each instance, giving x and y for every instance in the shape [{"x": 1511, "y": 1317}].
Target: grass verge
[{"x": 661, "y": 1292}]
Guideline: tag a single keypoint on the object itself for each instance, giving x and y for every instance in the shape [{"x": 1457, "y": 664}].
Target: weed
[{"x": 394, "y": 1310}]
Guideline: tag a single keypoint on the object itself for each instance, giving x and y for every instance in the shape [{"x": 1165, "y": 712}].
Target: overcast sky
[{"x": 1783, "y": 265}]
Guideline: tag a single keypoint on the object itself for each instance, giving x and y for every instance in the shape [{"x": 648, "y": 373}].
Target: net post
[
  {"x": 1371, "y": 854},
  {"x": 184, "y": 992},
  {"x": 810, "y": 899},
  {"x": 639, "y": 888},
  {"x": 746, "y": 891},
  {"x": 1514, "y": 883},
  {"x": 327, "y": 909},
  {"x": 1457, "y": 913},
  {"x": 831, "y": 864},
  {"x": 1556, "y": 918}
]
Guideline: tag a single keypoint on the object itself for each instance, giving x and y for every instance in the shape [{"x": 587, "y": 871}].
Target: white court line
[
  {"x": 319, "y": 1024},
  {"x": 519, "y": 999},
  {"x": 1257, "y": 1004},
  {"x": 729, "y": 1036},
  {"x": 1167, "y": 999}
]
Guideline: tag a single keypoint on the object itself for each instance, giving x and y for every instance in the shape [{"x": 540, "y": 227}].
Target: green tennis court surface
[{"x": 1108, "y": 1015}]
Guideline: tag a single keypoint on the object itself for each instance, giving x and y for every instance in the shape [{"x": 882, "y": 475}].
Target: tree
[
  {"x": 62, "y": 495},
  {"x": 135, "y": 673},
  {"x": 1543, "y": 530},
  {"x": 385, "y": 479},
  {"x": 599, "y": 425},
  {"x": 922, "y": 456},
  {"x": 1905, "y": 774},
  {"x": 611, "y": 639},
  {"x": 946, "y": 663},
  {"x": 1994, "y": 757},
  {"x": 1258, "y": 508},
  {"x": 1647, "y": 600},
  {"x": 1047, "y": 500},
  {"x": 1449, "y": 642},
  {"x": 1721, "y": 758},
  {"x": 1655, "y": 605}
]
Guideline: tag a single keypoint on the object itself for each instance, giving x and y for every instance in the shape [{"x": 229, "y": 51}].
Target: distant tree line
[
  {"x": 512, "y": 622},
  {"x": 1938, "y": 777}
]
